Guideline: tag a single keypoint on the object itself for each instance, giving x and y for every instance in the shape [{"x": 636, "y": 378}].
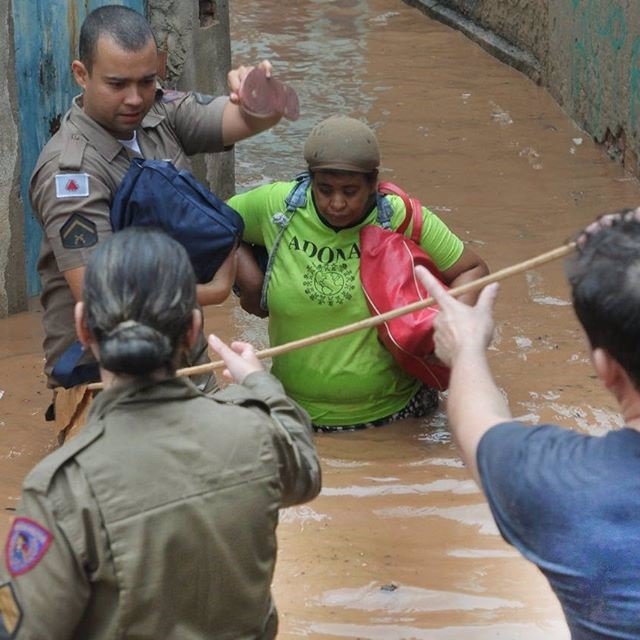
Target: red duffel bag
[{"x": 387, "y": 261}]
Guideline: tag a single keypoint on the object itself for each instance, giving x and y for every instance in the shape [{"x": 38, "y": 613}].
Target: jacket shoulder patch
[
  {"x": 72, "y": 185},
  {"x": 26, "y": 545}
]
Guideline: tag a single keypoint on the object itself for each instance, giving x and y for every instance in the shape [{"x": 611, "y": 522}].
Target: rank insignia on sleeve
[
  {"x": 26, "y": 545},
  {"x": 72, "y": 185},
  {"x": 10, "y": 611},
  {"x": 78, "y": 232}
]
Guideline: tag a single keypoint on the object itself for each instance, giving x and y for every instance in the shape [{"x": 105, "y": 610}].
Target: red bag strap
[{"x": 412, "y": 207}]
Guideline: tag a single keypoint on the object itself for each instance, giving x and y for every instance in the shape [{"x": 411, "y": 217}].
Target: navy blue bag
[{"x": 154, "y": 193}]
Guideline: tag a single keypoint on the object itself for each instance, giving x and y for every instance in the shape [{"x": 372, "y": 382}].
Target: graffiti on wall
[{"x": 600, "y": 71}]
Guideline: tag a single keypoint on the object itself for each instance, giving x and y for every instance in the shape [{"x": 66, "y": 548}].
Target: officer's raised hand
[{"x": 240, "y": 358}]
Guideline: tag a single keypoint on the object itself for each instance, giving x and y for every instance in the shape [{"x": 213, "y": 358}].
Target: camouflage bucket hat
[{"x": 344, "y": 143}]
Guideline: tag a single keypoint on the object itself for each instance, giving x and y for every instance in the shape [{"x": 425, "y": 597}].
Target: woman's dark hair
[
  {"x": 128, "y": 28},
  {"x": 139, "y": 295}
]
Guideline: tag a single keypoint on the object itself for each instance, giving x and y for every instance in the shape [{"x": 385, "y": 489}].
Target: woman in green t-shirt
[{"x": 310, "y": 227}]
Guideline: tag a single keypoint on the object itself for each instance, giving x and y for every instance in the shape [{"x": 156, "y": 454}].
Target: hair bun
[{"x": 135, "y": 348}]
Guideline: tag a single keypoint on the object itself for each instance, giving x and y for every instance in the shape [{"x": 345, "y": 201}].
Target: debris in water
[{"x": 499, "y": 115}]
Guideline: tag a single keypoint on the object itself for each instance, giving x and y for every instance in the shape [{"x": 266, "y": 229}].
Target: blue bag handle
[{"x": 69, "y": 373}]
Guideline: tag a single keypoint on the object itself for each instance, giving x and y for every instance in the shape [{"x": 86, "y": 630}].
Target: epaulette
[
  {"x": 72, "y": 153},
  {"x": 40, "y": 477},
  {"x": 171, "y": 95},
  {"x": 241, "y": 396}
]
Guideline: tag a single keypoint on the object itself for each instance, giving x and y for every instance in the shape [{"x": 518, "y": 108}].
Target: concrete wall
[
  {"x": 195, "y": 36},
  {"x": 13, "y": 287},
  {"x": 593, "y": 68},
  {"x": 586, "y": 52}
]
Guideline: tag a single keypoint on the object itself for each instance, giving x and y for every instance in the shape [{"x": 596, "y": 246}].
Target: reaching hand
[
  {"x": 240, "y": 358},
  {"x": 236, "y": 76},
  {"x": 459, "y": 327},
  {"x": 605, "y": 221}
]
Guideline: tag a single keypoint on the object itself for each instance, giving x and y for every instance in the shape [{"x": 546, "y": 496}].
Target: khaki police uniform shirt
[
  {"x": 74, "y": 182},
  {"x": 159, "y": 519}
]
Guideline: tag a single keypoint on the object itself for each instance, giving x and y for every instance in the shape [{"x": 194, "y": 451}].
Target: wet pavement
[{"x": 400, "y": 544}]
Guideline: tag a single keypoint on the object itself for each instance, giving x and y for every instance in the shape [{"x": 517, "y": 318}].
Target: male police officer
[{"x": 120, "y": 114}]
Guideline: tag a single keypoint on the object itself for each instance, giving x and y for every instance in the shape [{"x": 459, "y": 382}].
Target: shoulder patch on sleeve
[
  {"x": 78, "y": 232},
  {"x": 72, "y": 185},
  {"x": 26, "y": 545},
  {"x": 202, "y": 98},
  {"x": 10, "y": 611},
  {"x": 169, "y": 95}
]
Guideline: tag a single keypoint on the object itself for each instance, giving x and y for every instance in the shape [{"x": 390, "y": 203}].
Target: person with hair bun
[
  {"x": 158, "y": 520},
  {"x": 313, "y": 279}
]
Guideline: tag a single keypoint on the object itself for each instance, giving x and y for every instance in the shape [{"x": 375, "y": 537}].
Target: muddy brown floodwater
[{"x": 400, "y": 544}]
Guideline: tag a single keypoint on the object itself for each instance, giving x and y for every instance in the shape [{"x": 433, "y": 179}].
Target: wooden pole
[{"x": 373, "y": 321}]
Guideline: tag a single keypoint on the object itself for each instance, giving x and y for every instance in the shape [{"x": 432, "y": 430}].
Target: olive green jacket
[{"x": 159, "y": 519}]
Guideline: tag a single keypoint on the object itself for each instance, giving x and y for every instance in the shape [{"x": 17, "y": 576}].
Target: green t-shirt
[{"x": 315, "y": 287}]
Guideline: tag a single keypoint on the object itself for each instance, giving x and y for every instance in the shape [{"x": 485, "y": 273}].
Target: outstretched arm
[
  {"x": 299, "y": 464},
  {"x": 462, "y": 334}
]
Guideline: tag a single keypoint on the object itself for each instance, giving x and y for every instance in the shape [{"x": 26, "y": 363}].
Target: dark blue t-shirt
[{"x": 570, "y": 503}]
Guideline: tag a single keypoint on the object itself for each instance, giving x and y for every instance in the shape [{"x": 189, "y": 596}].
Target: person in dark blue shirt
[{"x": 573, "y": 507}]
